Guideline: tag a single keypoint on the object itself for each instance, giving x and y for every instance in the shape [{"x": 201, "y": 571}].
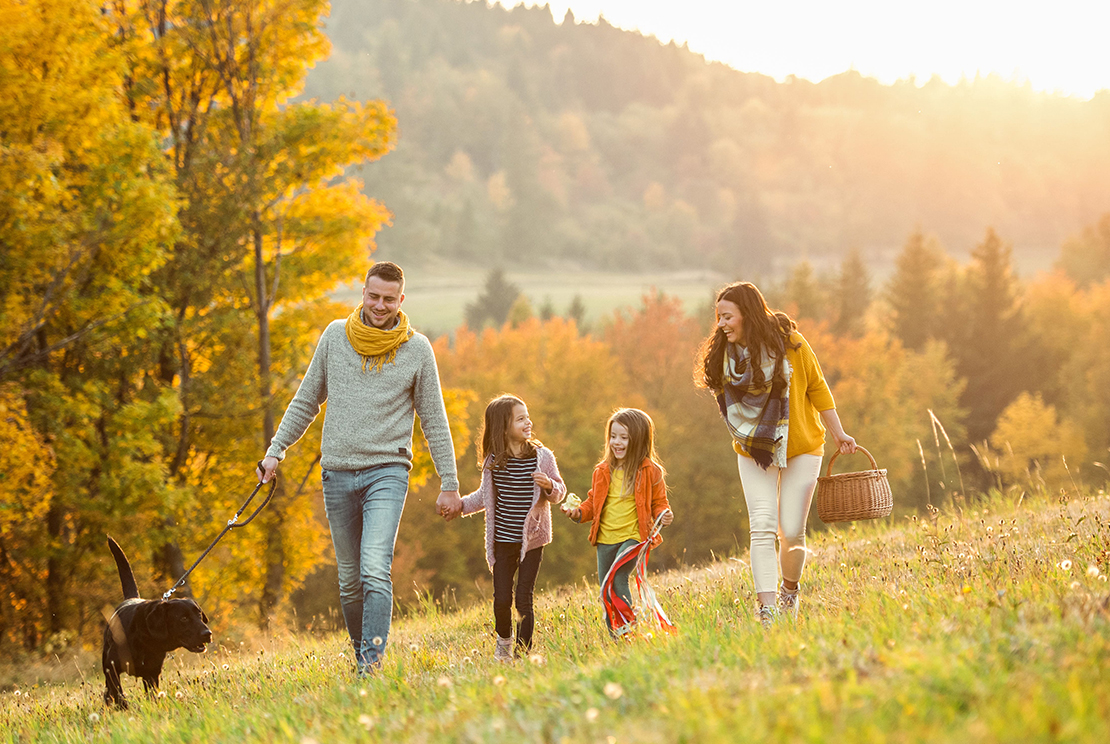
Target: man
[{"x": 374, "y": 371}]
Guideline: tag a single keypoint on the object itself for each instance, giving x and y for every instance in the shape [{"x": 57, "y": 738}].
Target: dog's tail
[{"x": 126, "y": 577}]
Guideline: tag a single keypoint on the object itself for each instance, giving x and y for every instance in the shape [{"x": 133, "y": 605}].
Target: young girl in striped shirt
[{"x": 520, "y": 481}]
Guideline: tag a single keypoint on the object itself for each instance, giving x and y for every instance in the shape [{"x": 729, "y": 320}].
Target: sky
[{"x": 1056, "y": 45}]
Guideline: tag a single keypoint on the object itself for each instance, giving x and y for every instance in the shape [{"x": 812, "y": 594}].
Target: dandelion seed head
[
  {"x": 377, "y": 640},
  {"x": 225, "y": 667},
  {"x": 1074, "y": 585},
  {"x": 18, "y": 693},
  {"x": 613, "y": 690},
  {"x": 1065, "y": 564},
  {"x": 161, "y": 693},
  {"x": 444, "y": 681},
  {"x": 414, "y": 647},
  {"x": 536, "y": 659},
  {"x": 591, "y": 714},
  {"x": 94, "y": 717},
  {"x": 466, "y": 660},
  {"x": 1092, "y": 570},
  {"x": 179, "y": 694},
  {"x": 498, "y": 680},
  {"x": 366, "y": 721}
]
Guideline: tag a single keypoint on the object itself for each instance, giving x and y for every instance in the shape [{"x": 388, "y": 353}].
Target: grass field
[
  {"x": 436, "y": 295},
  {"x": 986, "y": 623}
]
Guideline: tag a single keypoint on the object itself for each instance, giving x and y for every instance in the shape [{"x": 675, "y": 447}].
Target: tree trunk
[{"x": 275, "y": 553}]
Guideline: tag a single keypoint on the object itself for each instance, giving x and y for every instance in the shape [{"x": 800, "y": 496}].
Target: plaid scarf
[{"x": 755, "y": 403}]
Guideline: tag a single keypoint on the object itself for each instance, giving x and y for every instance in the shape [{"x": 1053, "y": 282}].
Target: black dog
[{"x": 142, "y": 631}]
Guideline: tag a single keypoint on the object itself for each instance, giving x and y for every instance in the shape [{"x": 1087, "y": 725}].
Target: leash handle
[{"x": 231, "y": 524}]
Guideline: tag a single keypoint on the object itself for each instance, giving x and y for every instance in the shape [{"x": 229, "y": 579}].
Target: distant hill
[{"x": 524, "y": 141}]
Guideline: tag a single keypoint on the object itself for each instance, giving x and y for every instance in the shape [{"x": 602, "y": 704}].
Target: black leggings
[{"x": 506, "y": 561}]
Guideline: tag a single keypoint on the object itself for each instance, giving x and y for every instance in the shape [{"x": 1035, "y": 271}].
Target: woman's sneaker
[
  {"x": 768, "y": 615},
  {"x": 504, "y": 649},
  {"x": 788, "y": 603}
]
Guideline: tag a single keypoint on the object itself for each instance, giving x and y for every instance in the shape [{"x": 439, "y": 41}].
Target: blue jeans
[{"x": 364, "y": 510}]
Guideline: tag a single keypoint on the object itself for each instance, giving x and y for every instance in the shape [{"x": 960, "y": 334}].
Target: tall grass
[{"x": 990, "y": 624}]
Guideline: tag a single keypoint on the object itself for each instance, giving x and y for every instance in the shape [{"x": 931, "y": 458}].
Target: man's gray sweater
[{"x": 369, "y": 420}]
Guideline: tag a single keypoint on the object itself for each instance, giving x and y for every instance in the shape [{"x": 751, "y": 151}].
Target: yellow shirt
[
  {"x": 809, "y": 395},
  {"x": 618, "y": 515}
]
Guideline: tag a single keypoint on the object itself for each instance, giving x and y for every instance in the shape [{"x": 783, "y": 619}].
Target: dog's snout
[{"x": 206, "y": 635}]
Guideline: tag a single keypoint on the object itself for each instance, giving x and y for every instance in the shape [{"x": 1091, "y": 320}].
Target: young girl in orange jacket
[{"x": 627, "y": 495}]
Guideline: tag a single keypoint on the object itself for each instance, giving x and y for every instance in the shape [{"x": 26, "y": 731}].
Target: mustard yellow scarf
[{"x": 375, "y": 346}]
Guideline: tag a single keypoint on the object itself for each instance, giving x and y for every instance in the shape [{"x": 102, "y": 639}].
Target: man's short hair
[{"x": 387, "y": 271}]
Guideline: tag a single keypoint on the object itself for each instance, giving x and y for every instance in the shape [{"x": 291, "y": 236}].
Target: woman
[{"x": 777, "y": 406}]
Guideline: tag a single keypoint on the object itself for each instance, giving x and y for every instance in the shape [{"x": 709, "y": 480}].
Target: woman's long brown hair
[
  {"x": 494, "y": 437},
  {"x": 764, "y": 331}
]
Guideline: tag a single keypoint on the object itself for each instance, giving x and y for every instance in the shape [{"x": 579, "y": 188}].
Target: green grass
[
  {"x": 436, "y": 295},
  {"x": 989, "y": 623}
]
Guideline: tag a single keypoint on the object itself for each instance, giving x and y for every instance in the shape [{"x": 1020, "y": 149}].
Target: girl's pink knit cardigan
[{"x": 537, "y": 526}]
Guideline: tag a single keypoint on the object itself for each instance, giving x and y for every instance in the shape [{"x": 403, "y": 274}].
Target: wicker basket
[{"x": 849, "y": 496}]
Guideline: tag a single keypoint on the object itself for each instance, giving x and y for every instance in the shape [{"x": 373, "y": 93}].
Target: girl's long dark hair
[
  {"x": 493, "y": 439},
  {"x": 764, "y": 331},
  {"x": 641, "y": 443}
]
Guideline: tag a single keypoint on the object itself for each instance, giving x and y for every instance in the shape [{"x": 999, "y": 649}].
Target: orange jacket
[{"x": 650, "y": 493}]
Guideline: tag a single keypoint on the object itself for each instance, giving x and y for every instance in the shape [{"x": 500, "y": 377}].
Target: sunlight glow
[{"x": 1053, "y": 46}]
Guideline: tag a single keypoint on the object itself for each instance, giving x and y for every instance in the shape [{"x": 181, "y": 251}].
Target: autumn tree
[
  {"x": 270, "y": 224},
  {"x": 87, "y": 214},
  {"x": 656, "y": 345}
]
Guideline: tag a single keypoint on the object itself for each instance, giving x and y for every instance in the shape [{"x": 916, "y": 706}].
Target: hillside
[
  {"x": 527, "y": 140},
  {"x": 988, "y": 622}
]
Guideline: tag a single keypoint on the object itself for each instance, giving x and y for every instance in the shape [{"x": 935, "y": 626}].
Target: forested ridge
[{"x": 525, "y": 139}]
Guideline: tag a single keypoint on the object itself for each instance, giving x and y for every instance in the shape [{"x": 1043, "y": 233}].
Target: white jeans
[{"x": 778, "y": 504}]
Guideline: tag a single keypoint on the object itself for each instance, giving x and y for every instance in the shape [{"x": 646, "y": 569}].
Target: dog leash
[{"x": 231, "y": 524}]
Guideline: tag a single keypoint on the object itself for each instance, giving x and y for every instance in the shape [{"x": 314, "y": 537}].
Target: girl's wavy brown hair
[{"x": 493, "y": 439}]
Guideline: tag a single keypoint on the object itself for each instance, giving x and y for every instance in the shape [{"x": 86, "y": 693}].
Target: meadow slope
[{"x": 988, "y": 622}]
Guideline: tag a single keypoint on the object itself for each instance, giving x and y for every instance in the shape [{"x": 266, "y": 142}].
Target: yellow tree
[
  {"x": 270, "y": 223},
  {"x": 87, "y": 213},
  {"x": 884, "y": 394},
  {"x": 1032, "y": 447}
]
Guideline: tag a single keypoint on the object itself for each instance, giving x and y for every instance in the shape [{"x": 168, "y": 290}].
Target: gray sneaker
[
  {"x": 788, "y": 603},
  {"x": 768, "y": 615},
  {"x": 504, "y": 650}
]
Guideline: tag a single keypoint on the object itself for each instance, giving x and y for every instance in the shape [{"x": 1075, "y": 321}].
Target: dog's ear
[{"x": 155, "y": 621}]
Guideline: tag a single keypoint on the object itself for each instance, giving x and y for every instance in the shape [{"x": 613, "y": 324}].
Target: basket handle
[{"x": 859, "y": 448}]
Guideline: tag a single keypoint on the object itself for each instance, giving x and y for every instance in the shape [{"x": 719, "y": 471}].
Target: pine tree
[
  {"x": 913, "y": 291},
  {"x": 1086, "y": 258},
  {"x": 853, "y": 295},
  {"x": 495, "y": 302},
  {"x": 991, "y": 357}
]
